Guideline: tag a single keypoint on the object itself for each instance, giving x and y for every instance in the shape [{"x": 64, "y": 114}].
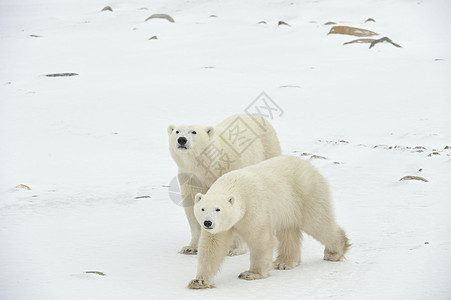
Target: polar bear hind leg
[
  {"x": 338, "y": 249},
  {"x": 261, "y": 245},
  {"x": 334, "y": 239},
  {"x": 289, "y": 249}
]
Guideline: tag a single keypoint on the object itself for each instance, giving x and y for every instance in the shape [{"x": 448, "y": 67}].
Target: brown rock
[
  {"x": 283, "y": 23},
  {"x": 161, "y": 16},
  {"x": 413, "y": 178},
  {"x": 23, "y": 186},
  {"x": 351, "y": 31}
]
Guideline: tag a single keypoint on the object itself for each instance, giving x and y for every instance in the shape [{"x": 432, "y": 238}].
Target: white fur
[
  {"x": 265, "y": 145},
  {"x": 273, "y": 201}
]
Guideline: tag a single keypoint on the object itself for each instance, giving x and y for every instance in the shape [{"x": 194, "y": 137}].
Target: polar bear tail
[{"x": 347, "y": 245}]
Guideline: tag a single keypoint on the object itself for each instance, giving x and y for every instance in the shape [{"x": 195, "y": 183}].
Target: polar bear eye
[
  {"x": 218, "y": 209},
  {"x": 194, "y": 132},
  {"x": 202, "y": 209},
  {"x": 177, "y": 132}
]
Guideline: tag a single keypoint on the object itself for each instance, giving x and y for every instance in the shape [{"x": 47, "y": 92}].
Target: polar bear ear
[
  {"x": 231, "y": 200},
  {"x": 170, "y": 129},
  {"x": 198, "y": 197},
  {"x": 210, "y": 131}
]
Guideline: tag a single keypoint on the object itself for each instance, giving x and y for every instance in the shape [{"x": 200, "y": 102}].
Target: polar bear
[
  {"x": 270, "y": 202},
  {"x": 203, "y": 154}
]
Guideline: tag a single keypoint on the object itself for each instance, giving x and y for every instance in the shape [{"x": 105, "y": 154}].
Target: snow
[{"x": 89, "y": 145}]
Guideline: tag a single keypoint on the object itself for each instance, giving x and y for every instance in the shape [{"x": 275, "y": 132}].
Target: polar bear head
[
  {"x": 191, "y": 139},
  {"x": 216, "y": 213}
]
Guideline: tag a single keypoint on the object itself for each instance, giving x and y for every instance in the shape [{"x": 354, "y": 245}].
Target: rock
[
  {"x": 161, "y": 16},
  {"x": 95, "y": 272},
  {"x": 370, "y": 20},
  {"x": 330, "y": 23},
  {"x": 360, "y": 41},
  {"x": 61, "y": 75},
  {"x": 283, "y": 23},
  {"x": 142, "y": 197},
  {"x": 413, "y": 178},
  {"x": 23, "y": 186},
  {"x": 382, "y": 40},
  {"x": 373, "y": 42},
  {"x": 317, "y": 157},
  {"x": 351, "y": 31},
  {"x": 153, "y": 38},
  {"x": 107, "y": 8},
  {"x": 290, "y": 86},
  {"x": 262, "y": 22}
]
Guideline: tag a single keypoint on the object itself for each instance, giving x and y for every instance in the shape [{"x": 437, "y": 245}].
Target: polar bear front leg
[
  {"x": 187, "y": 194},
  {"x": 191, "y": 249},
  {"x": 212, "y": 250},
  {"x": 261, "y": 246},
  {"x": 289, "y": 249}
]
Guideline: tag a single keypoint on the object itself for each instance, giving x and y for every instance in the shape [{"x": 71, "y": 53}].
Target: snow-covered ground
[{"x": 91, "y": 146}]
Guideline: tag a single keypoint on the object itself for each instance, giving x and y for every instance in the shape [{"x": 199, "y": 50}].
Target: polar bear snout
[
  {"x": 182, "y": 140},
  {"x": 208, "y": 224}
]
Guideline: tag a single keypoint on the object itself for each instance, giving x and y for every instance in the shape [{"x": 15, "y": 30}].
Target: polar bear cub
[
  {"x": 273, "y": 201},
  {"x": 204, "y": 153}
]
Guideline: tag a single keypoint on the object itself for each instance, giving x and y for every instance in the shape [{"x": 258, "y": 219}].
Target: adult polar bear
[
  {"x": 283, "y": 196},
  {"x": 203, "y": 154}
]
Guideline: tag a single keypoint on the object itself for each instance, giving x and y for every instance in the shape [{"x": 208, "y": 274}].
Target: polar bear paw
[
  {"x": 332, "y": 256},
  {"x": 188, "y": 250},
  {"x": 236, "y": 251},
  {"x": 200, "y": 284},
  {"x": 285, "y": 265},
  {"x": 248, "y": 275}
]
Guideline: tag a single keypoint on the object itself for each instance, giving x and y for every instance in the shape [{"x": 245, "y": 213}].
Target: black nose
[
  {"x": 182, "y": 140},
  {"x": 207, "y": 223}
]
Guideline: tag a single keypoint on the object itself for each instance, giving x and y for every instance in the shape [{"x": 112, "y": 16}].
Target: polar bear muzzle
[
  {"x": 208, "y": 224},
  {"x": 181, "y": 143}
]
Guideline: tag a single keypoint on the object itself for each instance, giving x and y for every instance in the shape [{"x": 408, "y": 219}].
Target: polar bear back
[
  {"x": 285, "y": 191},
  {"x": 258, "y": 139},
  {"x": 238, "y": 141}
]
